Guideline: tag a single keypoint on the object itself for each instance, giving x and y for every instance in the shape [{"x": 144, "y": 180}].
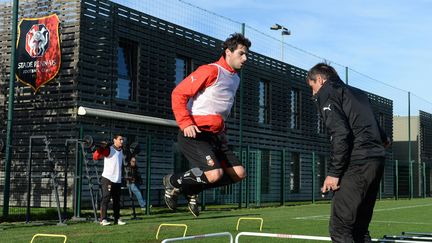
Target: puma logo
[
  {"x": 325, "y": 108},
  {"x": 192, "y": 79}
]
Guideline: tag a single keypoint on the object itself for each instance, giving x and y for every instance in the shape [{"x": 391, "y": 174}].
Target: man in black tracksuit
[{"x": 358, "y": 153}]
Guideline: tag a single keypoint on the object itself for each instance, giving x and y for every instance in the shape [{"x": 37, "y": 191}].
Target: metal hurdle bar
[
  {"x": 416, "y": 238},
  {"x": 172, "y": 225},
  {"x": 417, "y": 233},
  {"x": 304, "y": 237},
  {"x": 317, "y": 238},
  {"x": 200, "y": 237},
  {"x": 49, "y": 235},
  {"x": 248, "y": 218},
  {"x": 399, "y": 241}
]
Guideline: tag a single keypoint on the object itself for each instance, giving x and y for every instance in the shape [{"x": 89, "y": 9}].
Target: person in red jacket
[
  {"x": 201, "y": 103},
  {"x": 111, "y": 178}
]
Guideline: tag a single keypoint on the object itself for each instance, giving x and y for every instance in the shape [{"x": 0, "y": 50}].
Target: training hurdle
[
  {"x": 409, "y": 238},
  {"x": 247, "y": 218},
  {"x": 304, "y": 237},
  {"x": 171, "y": 225},
  {"x": 417, "y": 233},
  {"x": 49, "y": 235},
  {"x": 200, "y": 237},
  {"x": 399, "y": 241},
  {"x": 316, "y": 238}
]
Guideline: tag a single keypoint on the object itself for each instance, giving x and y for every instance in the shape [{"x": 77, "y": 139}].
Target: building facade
[{"x": 417, "y": 149}]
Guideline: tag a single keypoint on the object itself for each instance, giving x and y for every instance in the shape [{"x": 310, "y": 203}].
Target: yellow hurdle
[
  {"x": 246, "y": 218},
  {"x": 49, "y": 235},
  {"x": 171, "y": 225}
]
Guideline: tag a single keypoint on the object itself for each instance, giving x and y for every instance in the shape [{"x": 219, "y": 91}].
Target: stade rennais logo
[
  {"x": 37, "y": 40},
  {"x": 38, "y": 51}
]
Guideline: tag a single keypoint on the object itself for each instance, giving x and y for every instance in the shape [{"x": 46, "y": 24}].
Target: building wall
[{"x": 421, "y": 151}]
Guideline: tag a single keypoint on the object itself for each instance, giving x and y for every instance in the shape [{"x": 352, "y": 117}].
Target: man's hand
[
  {"x": 330, "y": 184},
  {"x": 191, "y": 131},
  {"x": 387, "y": 143}
]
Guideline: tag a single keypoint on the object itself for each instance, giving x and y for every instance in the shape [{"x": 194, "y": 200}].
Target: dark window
[
  {"x": 295, "y": 173},
  {"x": 264, "y": 102},
  {"x": 182, "y": 68},
  {"x": 127, "y": 69},
  {"x": 295, "y": 109},
  {"x": 265, "y": 171}
]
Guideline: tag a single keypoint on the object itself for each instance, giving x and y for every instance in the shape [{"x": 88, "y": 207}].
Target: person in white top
[{"x": 111, "y": 178}]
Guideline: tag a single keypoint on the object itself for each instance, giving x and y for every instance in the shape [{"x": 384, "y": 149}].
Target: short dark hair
[
  {"x": 233, "y": 41},
  {"x": 117, "y": 135},
  {"x": 325, "y": 70}
]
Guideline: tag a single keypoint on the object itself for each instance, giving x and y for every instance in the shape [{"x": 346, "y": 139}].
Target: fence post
[
  {"x": 240, "y": 196},
  {"x": 78, "y": 174},
  {"x": 380, "y": 190},
  {"x": 397, "y": 179},
  {"x": 410, "y": 178},
  {"x": 282, "y": 186},
  {"x": 258, "y": 180},
  {"x": 29, "y": 176},
  {"x": 247, "y": 178},
  {"x": 10, "y": 109},
  {"x": 424, "y": 179},
  {"x": 148, "y": 174},
  {"x": 313, "y": 177}
]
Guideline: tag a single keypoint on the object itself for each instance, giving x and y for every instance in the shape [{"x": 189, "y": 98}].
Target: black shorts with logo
[{"x": 208, "y": 151}]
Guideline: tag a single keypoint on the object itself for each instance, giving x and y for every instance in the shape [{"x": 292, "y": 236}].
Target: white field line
[
  {"x": 326, "y": 216},
  {"x": 374, "y": 221},
  {"x": 404, "y": 207}
]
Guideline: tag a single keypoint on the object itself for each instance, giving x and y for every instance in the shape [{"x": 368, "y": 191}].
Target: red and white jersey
[
  {"x": 206, "y": 96},
  {"x": 113, "y": 161}
]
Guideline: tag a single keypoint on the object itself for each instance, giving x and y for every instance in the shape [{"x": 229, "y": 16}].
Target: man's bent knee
[
  {"x": 239, "y": 173},
  {"x": 213, "y": 175}
]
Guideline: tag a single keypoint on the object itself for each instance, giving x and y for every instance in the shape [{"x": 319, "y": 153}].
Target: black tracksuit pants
[
  {"x": 110, "y": 190},
  {"x": 353, "y": 203}
]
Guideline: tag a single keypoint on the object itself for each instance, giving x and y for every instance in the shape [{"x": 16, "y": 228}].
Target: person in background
[
  {"x": 111, "y": 178},
  {"x": 134, "y": 181}
]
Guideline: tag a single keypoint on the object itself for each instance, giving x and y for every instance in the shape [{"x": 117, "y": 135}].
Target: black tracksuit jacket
[{"x": 354, "y": 131}]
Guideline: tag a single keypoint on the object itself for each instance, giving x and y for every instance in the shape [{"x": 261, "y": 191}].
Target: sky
[
  {"x": 387, "y": 44},
  {"x": 389, "y": 41}
]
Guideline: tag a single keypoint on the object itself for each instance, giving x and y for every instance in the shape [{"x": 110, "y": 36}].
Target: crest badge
[{"x": 38, "y": 50}]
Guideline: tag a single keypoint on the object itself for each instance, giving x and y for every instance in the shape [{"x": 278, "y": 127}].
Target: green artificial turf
[{"x": 391, "y": 217}]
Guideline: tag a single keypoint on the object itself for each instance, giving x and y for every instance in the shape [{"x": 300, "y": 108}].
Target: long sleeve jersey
[
  {"x": 113, "y": 161},
  {"x": 205, "y": 97},
  {"x": 354, "y": 132}
]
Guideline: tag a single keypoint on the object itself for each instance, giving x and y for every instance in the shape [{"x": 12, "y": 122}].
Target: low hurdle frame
[
  {"x": 172, "y": 225},
  {"x": 309, "y": 237},
  {"x": 247, "y": 218},
  {"x": 200, "y": 237},
  {"x": 417, "y": 233},
  {"x": 304, "y": 237},
  {"x": 416, "y": 238},
  {"x": 49, "y": 235}
]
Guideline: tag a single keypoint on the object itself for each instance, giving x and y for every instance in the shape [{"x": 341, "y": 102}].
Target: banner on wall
[{"x": 38, "y": 50}]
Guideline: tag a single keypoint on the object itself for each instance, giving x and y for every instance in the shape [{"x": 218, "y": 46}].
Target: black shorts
[{"x": 208, "y": 151}]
